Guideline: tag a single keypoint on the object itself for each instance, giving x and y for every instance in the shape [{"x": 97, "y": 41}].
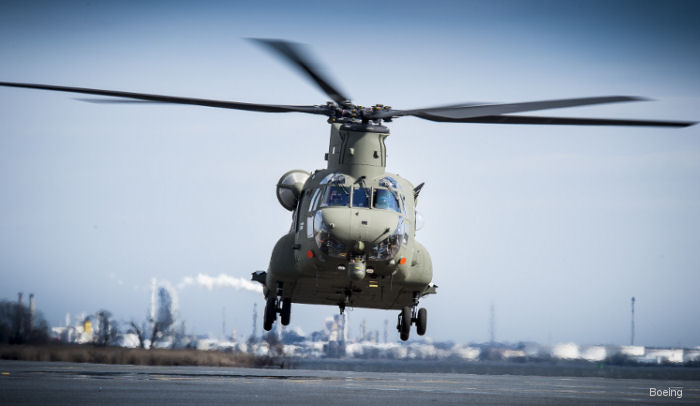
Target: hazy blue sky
[{"x": 557, "y": 226}]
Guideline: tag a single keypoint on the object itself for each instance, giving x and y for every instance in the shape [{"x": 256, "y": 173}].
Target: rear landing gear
[
  {"x": 410, "y": 315},
  {"x": 422, "y": 322}
]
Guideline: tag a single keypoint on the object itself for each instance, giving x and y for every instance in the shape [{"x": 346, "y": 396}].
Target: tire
[
  {"x": 405, "y": 323},
  {"x": 422, "y": 322},
  {"x": 286, "y": 311},
  {"x": 270, "y": 314}
]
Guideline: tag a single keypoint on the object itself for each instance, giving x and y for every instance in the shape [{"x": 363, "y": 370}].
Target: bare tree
[
  {"x": 107, "y": 329},
  {"x": 276, "y": 348},
  {"x": 17, "y": 326},
  {"x": 140, "y": 333}
]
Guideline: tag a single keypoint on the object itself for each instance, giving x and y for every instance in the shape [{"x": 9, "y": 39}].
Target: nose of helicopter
[{"x": 350, "y": 225}]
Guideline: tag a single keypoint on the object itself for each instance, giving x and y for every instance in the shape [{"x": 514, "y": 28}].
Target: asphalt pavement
[{"x": 46, "y": 383}]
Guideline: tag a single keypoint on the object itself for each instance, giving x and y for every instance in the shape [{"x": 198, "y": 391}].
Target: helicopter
[{"x": 352, "y": 240}]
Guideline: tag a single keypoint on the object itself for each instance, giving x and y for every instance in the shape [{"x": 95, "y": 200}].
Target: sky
[{"x": 556, "y": 226}]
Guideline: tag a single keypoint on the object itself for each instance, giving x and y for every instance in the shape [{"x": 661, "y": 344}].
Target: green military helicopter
[{"x": 352, "y": 238}]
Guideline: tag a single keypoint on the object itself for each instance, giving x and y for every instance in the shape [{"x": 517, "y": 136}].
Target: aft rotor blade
[
  {"x": 508, "y": 119},
  {"x": 295, "y": 55},
  {"x": 269, "y": 108},
  {"x": 470, "y": 111}
]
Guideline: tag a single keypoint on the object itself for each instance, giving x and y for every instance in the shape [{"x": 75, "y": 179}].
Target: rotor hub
[{"x": 352, "y": 113}]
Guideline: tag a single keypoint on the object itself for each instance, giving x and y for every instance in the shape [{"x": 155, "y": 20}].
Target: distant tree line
[{"x": 19, "y": 326}]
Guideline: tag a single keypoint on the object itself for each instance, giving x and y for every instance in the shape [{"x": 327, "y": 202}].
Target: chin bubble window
[
  {"x": 389, "y": 247},
  {"x": 325, "y": 241}
]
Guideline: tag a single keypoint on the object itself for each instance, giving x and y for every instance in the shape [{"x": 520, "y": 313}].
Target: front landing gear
[
  {"x": 405, "y": 323},
  {"x": 270, "y": 313},
  {"x": 276, "y": 304},
  {"x": 410, "y": 315}
]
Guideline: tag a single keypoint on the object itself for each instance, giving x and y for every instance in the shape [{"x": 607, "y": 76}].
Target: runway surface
[{"x": 44, "y": 383}]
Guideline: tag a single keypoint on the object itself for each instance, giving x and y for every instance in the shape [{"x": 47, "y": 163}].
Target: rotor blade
[
  {"x": 469, "y": 111},
  {"x": 507, "y": 119},
  {"x": 269, "y": 108},
  {"x": 116, "y": 101},
  {"x": 295, "y": 55}
]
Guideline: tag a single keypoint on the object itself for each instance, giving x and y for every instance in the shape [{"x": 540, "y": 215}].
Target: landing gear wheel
[
  {"x": 286, "y": 311},
  {"x": 405, "y": 323},
  {"x": 270, "y": 313},
  {"x": 422, "y": 322}
]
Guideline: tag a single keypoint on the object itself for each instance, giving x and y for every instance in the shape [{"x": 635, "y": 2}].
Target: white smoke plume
[{"x": 221, "y": 281}]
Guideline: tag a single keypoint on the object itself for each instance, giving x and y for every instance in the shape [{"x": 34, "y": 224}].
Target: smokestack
[
  {"x": 32, "y": 309},
  {"x": 346, "y": 327},
  {"x": 223, "y": 322},
  {"x": 19, "y": 330},
  {"x": 632, "y": 324},
  {"x": 386, "y": 333}
]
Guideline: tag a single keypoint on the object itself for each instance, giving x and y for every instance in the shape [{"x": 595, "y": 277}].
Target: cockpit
[
  {"x": 335, "y": 193},
  {"x": 378, "y": 198}
]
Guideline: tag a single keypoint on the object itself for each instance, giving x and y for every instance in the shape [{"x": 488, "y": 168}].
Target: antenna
[
  {"x": 492, "y": 324},
  {"x": 632, "y": 324},
  {"x": 152, "y": 310}
]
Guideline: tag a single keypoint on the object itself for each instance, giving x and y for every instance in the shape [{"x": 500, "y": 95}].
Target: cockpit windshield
[
  {"x": 360, "y": 197},
  {"x": 336, "y": 195},
  {"x": 385, "y": 199}
]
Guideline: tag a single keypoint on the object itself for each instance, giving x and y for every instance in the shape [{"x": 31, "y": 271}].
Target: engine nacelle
[{"x": 289, "y": 188}]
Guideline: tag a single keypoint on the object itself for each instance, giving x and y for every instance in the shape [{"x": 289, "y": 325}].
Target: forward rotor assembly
[{"x": 342, "y": 110}]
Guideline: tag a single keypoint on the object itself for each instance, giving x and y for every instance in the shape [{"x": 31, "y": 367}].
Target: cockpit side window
[
  {"x": 385, "y": 199},
  {"x": 360, "y": 197},
  {"x": 336, "y": 195},
  {"x": 298, "y": 220},
  {"x": 314, "y": 200}
]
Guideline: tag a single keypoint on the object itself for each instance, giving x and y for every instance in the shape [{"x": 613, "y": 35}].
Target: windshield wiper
[
  {"x": 363, "y": 186},
  {"x": 337, "y": 183}
]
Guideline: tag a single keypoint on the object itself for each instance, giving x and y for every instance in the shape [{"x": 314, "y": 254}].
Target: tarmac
[{"x": 57, "y": 383}]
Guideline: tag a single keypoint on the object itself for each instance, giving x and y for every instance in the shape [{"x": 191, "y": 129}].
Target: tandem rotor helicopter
[{"x": 352, "y": 238}]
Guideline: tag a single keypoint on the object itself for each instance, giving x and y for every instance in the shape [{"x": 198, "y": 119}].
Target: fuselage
[{"x": 352, "y": 236}]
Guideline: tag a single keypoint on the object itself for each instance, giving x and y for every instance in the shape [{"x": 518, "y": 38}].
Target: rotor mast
[{"x": 357, "y": 149}]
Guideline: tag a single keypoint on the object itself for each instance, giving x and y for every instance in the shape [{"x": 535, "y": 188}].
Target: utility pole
[{"x": 255, "y": 321}]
